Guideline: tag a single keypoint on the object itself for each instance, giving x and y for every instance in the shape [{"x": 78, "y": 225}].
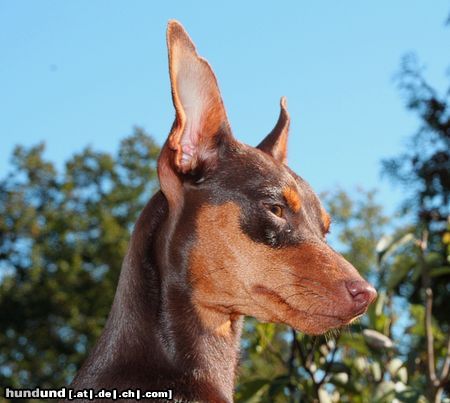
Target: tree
[
  {"x": 424, "y": 278},
  {"x": 63, "y": 236}
]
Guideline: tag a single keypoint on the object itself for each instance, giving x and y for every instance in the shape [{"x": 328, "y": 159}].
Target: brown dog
[{"x": 232, "y": 232}]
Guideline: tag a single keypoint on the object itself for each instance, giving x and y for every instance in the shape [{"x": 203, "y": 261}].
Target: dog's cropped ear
[
  {"x": 200, "y": 113},
  {"x": 275, "y": 143}
]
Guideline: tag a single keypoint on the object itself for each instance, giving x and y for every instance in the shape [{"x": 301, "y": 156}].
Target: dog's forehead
[
  {"x": 252, "y": 172},
  {"x": 247, "y": 167}
]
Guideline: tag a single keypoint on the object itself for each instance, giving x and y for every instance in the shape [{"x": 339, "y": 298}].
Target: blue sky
[{"x": 85, "y": 72}]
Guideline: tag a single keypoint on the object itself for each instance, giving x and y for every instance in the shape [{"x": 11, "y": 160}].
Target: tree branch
[
  {"x": 444, "y": 378},
  {"x": 429, "y": 334},
  {"x": 330, "y": 361},
  {"x": 291, "y": 368},
  {"x": 306, "y": 360},
  {"x": 426, "y": 284}
]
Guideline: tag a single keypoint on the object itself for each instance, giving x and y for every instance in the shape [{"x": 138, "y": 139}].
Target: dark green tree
[
  {"x": 63, "y": 236},
  {"x": 423, "y": 270}
]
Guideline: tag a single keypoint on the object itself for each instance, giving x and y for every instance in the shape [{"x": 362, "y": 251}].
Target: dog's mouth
[
  {"x": 310, "y": 321},
  {"x": 319, "y": 323}
]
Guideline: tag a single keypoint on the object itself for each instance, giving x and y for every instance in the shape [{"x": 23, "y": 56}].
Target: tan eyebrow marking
[
  {"x": 292, "y": 198},
  {"x": 326, "y": 220}
]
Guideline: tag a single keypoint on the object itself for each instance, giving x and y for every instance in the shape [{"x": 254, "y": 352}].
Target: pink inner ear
[{"x": 193, "y": 87}]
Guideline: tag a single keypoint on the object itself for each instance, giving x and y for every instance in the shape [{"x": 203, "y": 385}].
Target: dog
[{"x": 233, "y": 231}]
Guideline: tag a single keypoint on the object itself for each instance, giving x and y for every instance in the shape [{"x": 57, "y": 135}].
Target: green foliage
[
  {"x": 424, "y": 172},
  {"x": 422, "y": 268},
  {"x": 63, "y": 236}
]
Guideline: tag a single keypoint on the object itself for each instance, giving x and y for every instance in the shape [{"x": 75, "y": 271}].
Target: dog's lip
[
  {"x": 344, "y": 319},
  {"x": 324, "y": 315},
  {"x": 354, "y": 316},
  {"x": 359, "y": 312},
  {"x": 340, "y": 318}
]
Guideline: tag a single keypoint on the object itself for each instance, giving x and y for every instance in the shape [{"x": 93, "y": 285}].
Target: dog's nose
[{"x": 362, "y": 292}]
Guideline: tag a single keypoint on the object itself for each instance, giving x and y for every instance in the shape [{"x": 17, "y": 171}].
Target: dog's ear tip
[
  {"x": 284, "y": 107},
  {"x": 177, "y": 33},
  {"x": 284, "y": 113},
  {"x": 275, "y": 143},
  {"x": 173, "y": 26}
]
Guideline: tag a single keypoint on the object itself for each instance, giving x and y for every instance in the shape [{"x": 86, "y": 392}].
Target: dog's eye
[{"x": 276, "y": 210}]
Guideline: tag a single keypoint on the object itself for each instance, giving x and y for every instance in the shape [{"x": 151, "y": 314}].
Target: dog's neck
[{"x": 154, "y": 338}]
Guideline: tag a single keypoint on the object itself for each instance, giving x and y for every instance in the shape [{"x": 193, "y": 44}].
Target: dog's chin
[{"x": 320, "y": 324}]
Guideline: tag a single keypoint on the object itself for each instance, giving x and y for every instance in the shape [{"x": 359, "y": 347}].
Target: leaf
[
  {"x": 249, "y": 389},
  {"x": 418, "y": 313},
  {"x": 341, "y": 378},
  {"x": 360, "y": 363},
  {"x": 408, "y": 395},
  {"x": 355, "y": 342},
  {"x": 379, "y": 304},
  {"x": 399, "y": 270},
  {"x": 339, "y": 367},
  {"x": 266, "y": 332},
  {"x": 375, "y": 368},
  {"x": 324, "y": 396},
  {"x": 278, "y": 384},
  {"x": 388, "y": 244},
  {"x": 384, "y": 244},
  {"x": 394, "y": 366},
  {"x": 384, "y": 392},
  {"x": 402, "y": 374},
  {"x": 439, "y": 271},
  {"x": 377, "y": 340}
]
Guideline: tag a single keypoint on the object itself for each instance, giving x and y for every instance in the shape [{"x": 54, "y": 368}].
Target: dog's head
[{"x": 253, "y": 233}]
